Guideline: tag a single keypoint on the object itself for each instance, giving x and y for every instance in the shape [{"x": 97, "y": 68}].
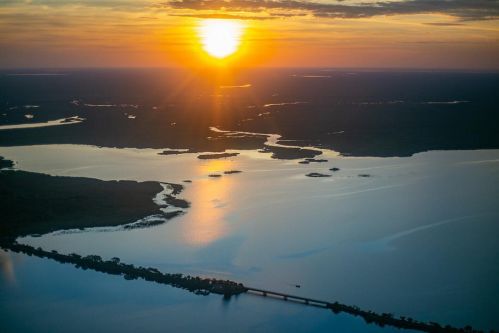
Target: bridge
[{"x": 287, "y": 297}]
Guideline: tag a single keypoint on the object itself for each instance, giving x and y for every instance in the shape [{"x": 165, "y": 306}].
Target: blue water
[{"x": 44, "y": 296}]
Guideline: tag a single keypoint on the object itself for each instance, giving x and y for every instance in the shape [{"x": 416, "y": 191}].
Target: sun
[{"x": 220, "y": 38}]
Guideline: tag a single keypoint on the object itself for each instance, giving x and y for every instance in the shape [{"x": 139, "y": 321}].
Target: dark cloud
[
  {"x": 226, "y": 16},
  {"x": 465, "y": 10}
]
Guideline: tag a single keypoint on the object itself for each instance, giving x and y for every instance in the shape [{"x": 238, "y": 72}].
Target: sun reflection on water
[
  {"x": 7, "y": 267},
  {"x": 210, "y": 203},
  {"x": 216, "y": 166}
]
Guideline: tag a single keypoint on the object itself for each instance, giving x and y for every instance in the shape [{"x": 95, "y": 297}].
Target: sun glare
[{"x": 220, "y": 38}]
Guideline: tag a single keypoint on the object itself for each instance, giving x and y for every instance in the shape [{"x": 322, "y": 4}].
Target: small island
[
  {"x": 317, "y": 175},
  {"x": 313, "y": 160},
  {"x": 173, "y": 152},
  {"x": 291, "y": 153},
  {"x": 231, "y": 172},
  {"x": 216, "y": 156}
]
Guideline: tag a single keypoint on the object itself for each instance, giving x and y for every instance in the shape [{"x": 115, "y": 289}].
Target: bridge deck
[{"x": 286, "y": 297}]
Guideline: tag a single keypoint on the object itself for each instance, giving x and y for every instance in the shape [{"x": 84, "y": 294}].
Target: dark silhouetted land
[
  {"x": 33, "y": 203},
  {"x": 366, "y": 114},
  {"x": 317, "y": 175},
  {"x": 216, "y": 156}
]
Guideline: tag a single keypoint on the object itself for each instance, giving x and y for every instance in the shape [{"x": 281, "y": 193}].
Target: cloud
[
  {"x": 225, "y": 16},
  {"x": 465, "y": 10},
  {"x": 109, "y": 4}
]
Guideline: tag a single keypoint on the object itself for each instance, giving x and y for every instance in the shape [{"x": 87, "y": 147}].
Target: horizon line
[{"x": 332, "y": 68}]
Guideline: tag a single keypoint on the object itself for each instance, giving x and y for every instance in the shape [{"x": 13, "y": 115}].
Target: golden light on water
[
  {"x": 220, "y": 38},
  {"x": 207, "y": 216},
  {"x": 7, "y": 267}
]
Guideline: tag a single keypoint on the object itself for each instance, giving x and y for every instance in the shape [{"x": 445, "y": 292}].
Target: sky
[{"x": 429, "y": 34}]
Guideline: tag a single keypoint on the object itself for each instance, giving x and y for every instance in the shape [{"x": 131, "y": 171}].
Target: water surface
[{"x": 416, "y": 238}]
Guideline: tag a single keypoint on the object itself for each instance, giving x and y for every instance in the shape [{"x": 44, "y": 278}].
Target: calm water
[
  {"x": 417, "y": 238},
  {"x": 42, "y": 296}
]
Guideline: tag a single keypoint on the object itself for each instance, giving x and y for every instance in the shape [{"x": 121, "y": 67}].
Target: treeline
[
  {"x": 130, "y": 272},
  {"x": 388, "y": 319}
]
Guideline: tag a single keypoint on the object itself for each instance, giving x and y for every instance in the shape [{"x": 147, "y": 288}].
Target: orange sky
[{"x": 112, "y": 33}]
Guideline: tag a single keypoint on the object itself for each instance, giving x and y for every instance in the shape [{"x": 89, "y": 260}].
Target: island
[
  {"x": 174, "y": 152},
  {"x": 216, "y": 156},
  {"x": 290, "y": 153},
  {"x": 312, "y": 160},
  {"x": 231, "y": 172},
  {"x": 317, "y": 175}
]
